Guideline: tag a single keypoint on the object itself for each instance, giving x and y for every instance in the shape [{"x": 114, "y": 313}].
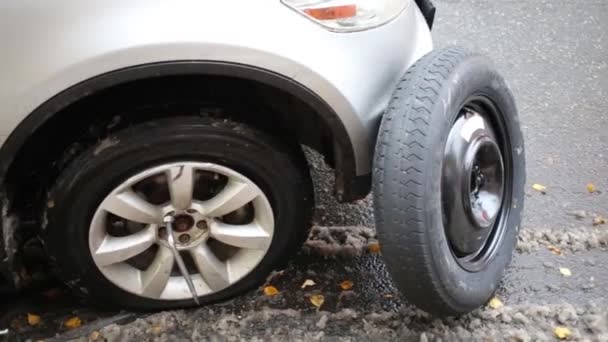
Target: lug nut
[
  {"x": 184, "y": 238},
  {"x": 201, "y": 224}
]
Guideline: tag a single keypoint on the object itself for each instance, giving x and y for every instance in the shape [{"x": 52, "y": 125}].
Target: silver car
[{"x": 151, "y": 150}]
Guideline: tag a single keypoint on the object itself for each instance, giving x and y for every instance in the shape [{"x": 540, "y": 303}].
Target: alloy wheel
[{"x": 181, "y": 230}]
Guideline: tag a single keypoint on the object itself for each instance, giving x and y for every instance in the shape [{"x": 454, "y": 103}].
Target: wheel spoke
[
  {"x": 213, "y": 271},
  {"x": 155, "y": 278},
  {"x": 116, "y": 249},
  {"x": 234, "y": 195},
  {"x": 181, "y": 185},
  {"x": 244, "y": 236},
  {"x": 131, "y": 206},
  {"x": 244, "y": 261}
]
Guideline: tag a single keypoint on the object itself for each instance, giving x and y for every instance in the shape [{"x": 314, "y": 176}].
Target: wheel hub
[
  {"x": 189, "y": 228},
  {"x": 472, "y": 183}
]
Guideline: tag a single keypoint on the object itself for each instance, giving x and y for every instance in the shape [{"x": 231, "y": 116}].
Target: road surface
[{"x": 555, "y": 56}]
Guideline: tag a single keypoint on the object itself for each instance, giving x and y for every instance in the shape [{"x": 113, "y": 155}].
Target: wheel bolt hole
[
  {"x": 184, "y": 238},
  {"x": 191, "y": 211},
  {"x": 162, "y": 232},
  {"x": 202, "y": 225}
]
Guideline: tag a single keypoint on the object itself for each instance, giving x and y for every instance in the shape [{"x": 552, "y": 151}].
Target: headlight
[{"x": 348, "y": 15}]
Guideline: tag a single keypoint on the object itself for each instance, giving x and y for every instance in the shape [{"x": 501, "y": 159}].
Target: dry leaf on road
[
  {"x": 374, "y": 248},
  {"x": 270, "y": 291},
  {"x": 565, "y": 271},
  {"x": 73, "y": 322},
  {"x": 317, "y": 300},
  {"x": 33, "y": 319},
  {"x": 554, "y": 250},
  {"x": 346, "y": 285},
  {"x": 495, "y": 303},
  {"x": 307, "y": 283},
  {"x": 539, "y": 187},
  {"x": 599, "y": 220},
  {"x": 562, "y": 332},
  {"x": 591, "y": 188}
]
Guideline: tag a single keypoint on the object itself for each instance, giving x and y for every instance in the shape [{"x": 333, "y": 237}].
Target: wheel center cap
[{"x": 183, "y": 223}]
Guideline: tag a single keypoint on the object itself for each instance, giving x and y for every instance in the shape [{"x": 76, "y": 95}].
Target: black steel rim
[{"x": 476, "y": 183}]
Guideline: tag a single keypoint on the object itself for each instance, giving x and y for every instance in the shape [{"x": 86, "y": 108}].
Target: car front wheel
[{"x": 178, "y": 211}]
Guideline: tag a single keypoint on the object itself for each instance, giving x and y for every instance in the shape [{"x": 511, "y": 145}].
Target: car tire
[
  {"x": 447, "y": 229},
  {"x": 277, "y": 169}
]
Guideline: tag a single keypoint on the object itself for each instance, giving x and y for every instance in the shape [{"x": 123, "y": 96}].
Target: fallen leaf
[
  {"x": 562, "y": 332},
  {"x": 33, "y": 319},
  {"x": 317, "y": 300},
  {"x": 374, "y": 248},
  {"x": 346, "y": 285},
  {"x": 591, "y": 188},
  {"x": 554, "y": 250},
  {"x": 599, "y": 220},
  {"x": 387, "y": 295},
  {"x": 495, "y": 303},
  {"x": 73, "y": 322},
  {"x": 539, "y": 187},
  {"x": 307, "y": 283},
  {"x": 270, "y": 291},
  {"x": 565, "y": 271}
]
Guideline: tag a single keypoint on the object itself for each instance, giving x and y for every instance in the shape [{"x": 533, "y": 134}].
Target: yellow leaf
[
  {"x": 94, "y": 335},
  {"x": 554, "y": 250},
  {"x": 346, "y": 285},
  {"x": 73, "y": 322},
  {"x": 599, "y": 220},
  {"x": 562, "y": 332},
  {"x": 539, "y": 187},
  {"x": 317, "y": 300},
  {"x": 591, "y": 188},
  {"x": 270, "y": 291},
  {"x": 495, "y": 303},
  {"x": 374, "y": 248},
  {"x": 33, "y": 319},
  {"x": 565, "y": 272},
  {"x": 307, "y": 283}
]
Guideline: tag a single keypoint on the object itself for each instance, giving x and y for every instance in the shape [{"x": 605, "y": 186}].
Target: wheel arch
[{"x": 332, "y": 132}]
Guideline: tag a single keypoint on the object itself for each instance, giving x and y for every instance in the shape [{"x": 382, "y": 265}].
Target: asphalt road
[{"x": 555, "y": 56}]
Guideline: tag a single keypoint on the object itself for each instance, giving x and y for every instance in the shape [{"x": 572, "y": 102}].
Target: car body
[{"x": 57, "y": 56}]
